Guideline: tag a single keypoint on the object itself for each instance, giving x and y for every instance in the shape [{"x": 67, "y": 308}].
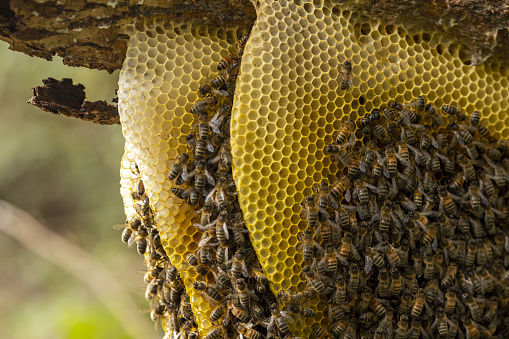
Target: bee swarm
[
  {"x": 305, "y": 67},
  {"x": 409, "y": 241}
]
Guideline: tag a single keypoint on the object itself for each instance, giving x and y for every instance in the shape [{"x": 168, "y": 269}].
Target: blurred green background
[{"x": 65, "y": 173}]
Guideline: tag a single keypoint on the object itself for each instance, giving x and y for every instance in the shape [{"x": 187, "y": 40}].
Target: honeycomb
[
  {"x": 157, "y": 87},
  {"x": 287, "y": 106}
]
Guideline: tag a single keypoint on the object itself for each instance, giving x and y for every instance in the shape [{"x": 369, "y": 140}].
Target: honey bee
[
  {"x": 191, "y": 195},
  {"x": 297, "y": 298},
  {"x": 354, "y": 282},
  {"x": 246, "y": 296},
  {"x": 247, "y": 332},
  {"x": 141, "y": 240},
  {"x": 345, "y": 79},
  {"x": 471, "y": 329},
  {"x": 239, "y": 267},
  {"x": 307, "y": 244},
  {"x": 368, "y": 318},
  {"x": 373, "y": 258},
  {"x": 278, "y": 319},
  {"x": 377, "y": 305},
  {"x": 392, "y": 256},
  {"x": 463, "y": 136},
  {"x": 311, "y": 211},
  {"x": 351, "y": 329},
  {"x": 339, "y": 155},
  {"x": 306, "y": 312},
  {"x": 484, "y": 133},
  {"x": 450, "y": 302},
  {"x": 129, "y": 230},
  {"x": 432, "y": 111},
  {"x": 316, "y": 280},
  {"x": 216, "y": 333},
  {"x": 213, "y": 87},
  {"x": 346, "y": 133},
  {"x": 227, "y": 61},
  {"x": 403, "y": 327},
  {"x": 380, "y": 132},
  {"x": 324, "y": 192},
  {"x": 202, "y": 106},
  {"x": 448, "y": 279},
  {"x": 468, "y": 170},
  {"x": 446, "y": 201},
  {"x": 320, "y": 333},
  {"x": 218, "y": 118},
  {"x": 339, "y": 295},
  {"x": 330, "y": 259},
  {"x": 391, "y": 162}
]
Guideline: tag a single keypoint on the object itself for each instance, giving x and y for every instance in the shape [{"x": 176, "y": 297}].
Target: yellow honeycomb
[
  {"x": 287, "y": 106},
  {"x": 164, "y": 66}
]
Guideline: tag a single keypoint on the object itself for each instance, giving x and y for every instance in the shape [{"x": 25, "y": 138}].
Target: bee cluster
[
  {"x": 409, "y": 241},
  {"x": 165, "y": 290},
  {"x": 232, "y": 279}
]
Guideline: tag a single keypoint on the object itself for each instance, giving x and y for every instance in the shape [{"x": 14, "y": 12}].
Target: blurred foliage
[{"x": 65, "y": 172}]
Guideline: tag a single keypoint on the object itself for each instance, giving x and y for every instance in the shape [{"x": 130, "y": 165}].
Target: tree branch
[{"x": 63, "y": 97}]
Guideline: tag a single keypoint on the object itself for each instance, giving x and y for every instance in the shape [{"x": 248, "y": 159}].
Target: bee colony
[{"x": 349, "y": 167}]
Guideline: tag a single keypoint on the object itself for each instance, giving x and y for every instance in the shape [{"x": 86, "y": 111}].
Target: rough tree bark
[{"x": 88, "y": 33}]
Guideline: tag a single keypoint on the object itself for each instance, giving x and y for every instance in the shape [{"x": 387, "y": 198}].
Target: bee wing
[
  {"x": 434, "y": 244},
  {"x": 299, "y": 247},
  {"x": 355, "y": 252},
  {"x": 373, "y": 188},
  {"x": 185, "y": 174},
  {"x": 343, "y": 260},
  {"x": 201, "y": 227},
  {"x": 333, "y": 202},
  {"x": 210, "y": 178},
  {"x": 269, "y": 324},
  {"x": 376, "y": 217},
  {"x": 415, "y": 150},
  {"x": 303, "y": 214},
  {"x": 355, "y": 193},
  {"x": 245, "y": 271},
  {"x": 347, "y": 195},
  {"x": 220, "y": 92},
  {"x": 226, "y": 234},
  {"x": 210, "y": 147},
  {"x": 368, "y": 264},
  {"x": 419, "y": 174},
  {"x": 204, "y": 240},
  {"x": 335, "y": 226},
  {"x": 324, "y": 213},
  {"x": 386, "y": 171},
  {"x": 318, "y": 229},
  {"x": 226, "y": 254},
  {"x": 131, "y": 241},
  {"x": 119, "y": 226},
  {"x": 188, "y": 175},
  {"x": 362, "y": 166},
  {"x": 287, "y": 316},
  {"x": 253, "y": 295},
  {"x": 437, "y": 119},
  {"x": 210, "y": 195},
  {"x": 350, "y": 82}
]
